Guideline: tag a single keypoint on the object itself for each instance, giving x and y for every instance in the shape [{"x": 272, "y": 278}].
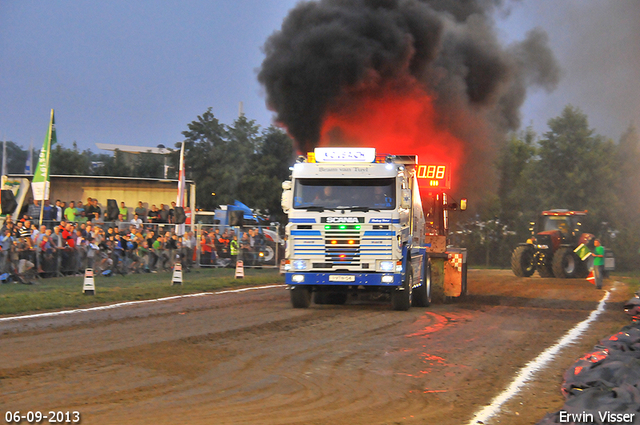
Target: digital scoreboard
[{"x": 434, "y": 176}]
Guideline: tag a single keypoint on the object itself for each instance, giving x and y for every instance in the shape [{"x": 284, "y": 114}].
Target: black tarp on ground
[{"x": 605, "y": 381}]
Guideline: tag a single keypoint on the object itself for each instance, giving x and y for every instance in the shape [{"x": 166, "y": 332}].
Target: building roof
[
  {"x": 132, "y": 149},
  {"x": 75, "y": 176}
]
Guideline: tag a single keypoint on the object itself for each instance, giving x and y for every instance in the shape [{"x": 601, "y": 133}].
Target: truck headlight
[
  {"x": 387, "y": 279},
  {"x": 297, "y": 278},
  {"x": 386, "y": 266},
  {"x": 542, "y": 246},
  {"x": 299, "y": 264}
]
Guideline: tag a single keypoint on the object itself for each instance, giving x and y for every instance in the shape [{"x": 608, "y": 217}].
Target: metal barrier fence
[
  {"x": 257, "y": 246},
  {"x": 205, "y": 246}
]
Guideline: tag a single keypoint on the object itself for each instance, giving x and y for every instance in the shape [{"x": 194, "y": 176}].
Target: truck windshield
[{"x": 364, "y": 194}]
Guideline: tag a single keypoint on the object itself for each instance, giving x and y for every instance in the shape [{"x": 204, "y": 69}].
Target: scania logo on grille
[{"x": 342, "y": 219}]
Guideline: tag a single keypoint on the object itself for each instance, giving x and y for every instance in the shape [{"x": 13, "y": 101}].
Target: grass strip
[{"x": 66, "y": 292}]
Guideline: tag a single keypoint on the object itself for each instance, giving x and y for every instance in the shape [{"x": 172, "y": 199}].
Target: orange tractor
[{"x": 550, "y": 250}]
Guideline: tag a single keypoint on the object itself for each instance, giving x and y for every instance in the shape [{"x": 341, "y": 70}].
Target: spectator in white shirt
[{"x": 136, "y": 221}]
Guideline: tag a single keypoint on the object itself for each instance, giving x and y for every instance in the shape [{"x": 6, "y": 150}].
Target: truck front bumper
[{"x": 347, "y": 279}]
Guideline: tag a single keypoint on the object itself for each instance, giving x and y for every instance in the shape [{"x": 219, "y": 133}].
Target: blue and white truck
[{"x": 357, "y": 223}]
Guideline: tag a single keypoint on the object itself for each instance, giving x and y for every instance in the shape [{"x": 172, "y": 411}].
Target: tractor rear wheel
[
  {"x": 522, "y": 261},
  {"x": 565, "y": 263}
]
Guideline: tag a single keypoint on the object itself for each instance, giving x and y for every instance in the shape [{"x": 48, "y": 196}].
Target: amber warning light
[{"x": 436, "y": 176}]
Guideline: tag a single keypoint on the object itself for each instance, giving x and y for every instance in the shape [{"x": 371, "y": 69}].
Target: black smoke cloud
[{"x": 450, "y": 48}]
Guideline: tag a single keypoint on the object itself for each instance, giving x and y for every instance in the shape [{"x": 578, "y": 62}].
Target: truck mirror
[
  {"x": 406, "y": 199},
  {"x": 286, "y": 185},
  {"x": 463, "y": 204},
  {"x": 285, "y": 202}
]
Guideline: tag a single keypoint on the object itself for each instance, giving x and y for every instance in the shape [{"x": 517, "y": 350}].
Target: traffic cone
[
  {"x": 177, "y": 274},
  {"x": 591, "y": 277},
  {"x": 89, "y": 287},
  {"x": 239, "y": 269}
]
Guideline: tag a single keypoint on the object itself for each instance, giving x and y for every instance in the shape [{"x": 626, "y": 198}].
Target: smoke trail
[{"x": 333, "y": 60}]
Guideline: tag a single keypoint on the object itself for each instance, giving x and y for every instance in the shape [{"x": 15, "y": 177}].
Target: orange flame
[{"x": 394, "y": 121}]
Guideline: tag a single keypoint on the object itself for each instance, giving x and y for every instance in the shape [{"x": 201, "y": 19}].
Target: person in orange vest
[
  {"x": 224, "y": 243},
  {"x": 206, "y": 256}
]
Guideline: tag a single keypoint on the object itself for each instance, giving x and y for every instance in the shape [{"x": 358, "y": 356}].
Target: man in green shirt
[
  {"x": 81, "y": 217},
  {"x": 598, "y": 263},
  {"x": 124, "y": 211},
  {"x": 70, "y": 212},
  {"x": 159, "y": 248}
]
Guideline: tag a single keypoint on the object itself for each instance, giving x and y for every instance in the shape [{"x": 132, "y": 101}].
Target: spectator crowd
[
  {"x": 92, "y": 212},
  {"x": 76, "y": 236}
]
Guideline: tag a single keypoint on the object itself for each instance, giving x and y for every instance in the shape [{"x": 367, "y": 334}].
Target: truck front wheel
[
  {"x": 422, "y": 294},
  {"x": 401, "y": 298},
  {"x": 300, "y": 297}
]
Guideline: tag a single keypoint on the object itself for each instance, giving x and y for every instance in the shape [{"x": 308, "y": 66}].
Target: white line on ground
[
  {"x": 130, "y": 303},
  {"x": 525, "y": 374}
]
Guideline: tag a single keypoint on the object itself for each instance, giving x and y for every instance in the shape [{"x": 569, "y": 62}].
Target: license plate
[{"x": 341, "y": 278}]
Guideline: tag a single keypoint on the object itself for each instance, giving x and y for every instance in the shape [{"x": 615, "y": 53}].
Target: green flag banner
[
  {"x": 40, "y": 184},
  {"x": 582, "y": 251}
]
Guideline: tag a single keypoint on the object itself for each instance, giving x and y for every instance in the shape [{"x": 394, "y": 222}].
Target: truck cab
[{"x": 355, "y": 224}]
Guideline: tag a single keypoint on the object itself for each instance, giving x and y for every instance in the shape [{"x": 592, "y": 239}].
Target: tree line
[
  {"x": 238, "y": 161},
  {"x": 72, "y": 161},
  {"x": 568, "y": 167}
]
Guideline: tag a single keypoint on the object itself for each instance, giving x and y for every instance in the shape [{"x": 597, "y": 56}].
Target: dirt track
[{"x": 249, "y": 358}]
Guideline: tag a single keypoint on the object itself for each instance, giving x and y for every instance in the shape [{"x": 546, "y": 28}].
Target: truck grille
[{"x": 343, "y": 246}]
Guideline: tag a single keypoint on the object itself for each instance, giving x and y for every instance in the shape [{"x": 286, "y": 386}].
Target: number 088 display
[
  {"x": 431, "y": 171},
  {"x": 436, "y": 175}
]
